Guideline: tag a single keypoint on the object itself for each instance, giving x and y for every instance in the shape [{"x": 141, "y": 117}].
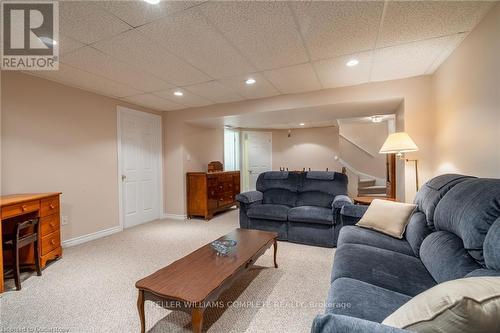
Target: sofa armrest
[
  {"x": 331, "y": 323},
  {"x": 250, "y": 197},
  {"x": 340, "y": 200},
  {"x": 351, "y": 214}
]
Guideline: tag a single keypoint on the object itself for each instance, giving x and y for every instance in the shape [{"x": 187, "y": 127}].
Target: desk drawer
[
  {"x": 22, "y": 208},
  {"x": 51, "y": 242},
  {"x": 49, "y": 206},
  {"x": 49, "y": 224}
]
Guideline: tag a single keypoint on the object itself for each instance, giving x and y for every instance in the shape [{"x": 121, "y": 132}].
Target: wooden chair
[{"x": 23, "y": 236}]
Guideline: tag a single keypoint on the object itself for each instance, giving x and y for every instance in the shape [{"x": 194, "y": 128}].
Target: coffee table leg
[
  {"x": 275, "y": 250},
  {"x": 197, "y": 319},
  {"x": 140, "y": 307}
]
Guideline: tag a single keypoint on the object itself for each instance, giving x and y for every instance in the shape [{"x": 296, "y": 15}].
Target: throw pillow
[
  {"x": 388, "y": 217},
  {"x": 462, "y": 305}
]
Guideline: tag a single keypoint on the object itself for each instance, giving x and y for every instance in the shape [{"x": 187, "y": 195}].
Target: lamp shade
[{"x": 397, "y": 143}]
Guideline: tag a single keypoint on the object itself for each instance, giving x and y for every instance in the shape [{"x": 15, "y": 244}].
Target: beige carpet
[{"x": 91, "y": 289}]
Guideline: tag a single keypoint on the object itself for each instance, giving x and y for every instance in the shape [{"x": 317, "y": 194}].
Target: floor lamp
[{"x": 399, "y": 143}]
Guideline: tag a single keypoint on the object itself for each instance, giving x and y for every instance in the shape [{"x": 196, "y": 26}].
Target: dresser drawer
[
  {"x": 18, "y": 209},
  {"x": 49, "y": 206},
  {"x": 49, "y": 224},
  {"x": 51, "y": 242}
]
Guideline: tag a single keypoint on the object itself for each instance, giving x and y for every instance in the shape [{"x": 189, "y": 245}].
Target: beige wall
[
  {"x": 58, "y": 138},
  {"x": 467, "y": 97},
  {"x": 313, "y": 148},
  {"x": 418, "y": 122}
]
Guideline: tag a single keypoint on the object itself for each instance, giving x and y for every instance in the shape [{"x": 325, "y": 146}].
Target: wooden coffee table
[{"x": 192, "y": 282}]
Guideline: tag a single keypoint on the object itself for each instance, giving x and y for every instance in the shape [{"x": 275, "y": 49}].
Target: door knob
[{"x": 123, "y": 177}]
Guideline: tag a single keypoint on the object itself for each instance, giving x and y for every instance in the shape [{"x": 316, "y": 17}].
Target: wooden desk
[{"x": 42, "y": 205}]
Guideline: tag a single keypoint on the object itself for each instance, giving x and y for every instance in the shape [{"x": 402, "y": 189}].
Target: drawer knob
[
  {"x": 24, "y": 208},
  {"x": 51, "y": 206},
  {"x": 52, "y": 224},
  {"x": 53, "y": 242}
]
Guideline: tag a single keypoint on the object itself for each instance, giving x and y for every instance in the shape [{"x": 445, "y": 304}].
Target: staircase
[{"x": 369, "y": 187}]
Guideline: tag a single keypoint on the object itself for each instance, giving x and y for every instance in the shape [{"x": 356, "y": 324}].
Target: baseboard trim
[
  {"x": 174, "y": 216},
  {"x": 90, "y": 237}
]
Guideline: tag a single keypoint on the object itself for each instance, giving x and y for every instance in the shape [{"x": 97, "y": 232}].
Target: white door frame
[{"x": 158, "y": 131}]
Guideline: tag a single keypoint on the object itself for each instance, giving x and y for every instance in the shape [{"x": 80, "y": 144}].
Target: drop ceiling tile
[
  {"x": 94, "y": 61},
  {"x": 67, "y": 44},
  {"x": 188, "y": 99},
  {"x": 87, "y": 22},
  {"x": 264, "y": 31},
  {"x": 452, "y": 43},
  {"x": 139, "y": 12},
  {"x": 294, "y": 79},
  {"x": 214, "y": 91},
  {"x": 333, "y": 28},
  {"x": 408, "y": 21},
  {"x": 136, "y": 49},
  {"x": 408, "y": 60},
  {"x": 154, "y": 102},
  {"x": 190, "y": 36},
  {"x": 334, "y": 72},
  {"x": 77, "y": 78},
  {"x": 261, "y": 88}
]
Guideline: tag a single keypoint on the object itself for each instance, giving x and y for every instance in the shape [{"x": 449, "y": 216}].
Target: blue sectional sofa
[
  {"x": 302, "y": 207},
  {"x": 454, "y": 233}
]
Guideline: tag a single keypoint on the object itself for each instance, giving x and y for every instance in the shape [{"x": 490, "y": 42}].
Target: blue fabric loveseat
[
  {"x": 454, "y": 233},
  {"x": 302, "y": 207}
]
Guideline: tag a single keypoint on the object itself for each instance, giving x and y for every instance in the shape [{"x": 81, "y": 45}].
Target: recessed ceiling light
[
  {"x": 250, "y": 81},
  {"x": 376, "y": 119},
  {"x": 352, "y": 63},
  {"x": 152, "y": 2},
  {"x": 178, "y": 93},
  {"x": 302, "y": 124}
]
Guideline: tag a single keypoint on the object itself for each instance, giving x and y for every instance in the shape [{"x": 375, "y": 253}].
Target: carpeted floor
[{"x": 91, "y": 289}]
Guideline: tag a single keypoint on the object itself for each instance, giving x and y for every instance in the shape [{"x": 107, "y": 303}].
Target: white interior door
[
  {"x": 139, "y": 166},
  {"x": 260, "y": 153}
]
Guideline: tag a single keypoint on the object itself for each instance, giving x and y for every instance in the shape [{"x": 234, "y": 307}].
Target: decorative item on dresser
[
  {"x": 211, "y": 192},
  {"x": 42, "y": 206}
]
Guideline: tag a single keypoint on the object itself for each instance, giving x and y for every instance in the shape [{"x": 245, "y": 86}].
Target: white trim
[
  {"x": 174, "y": 216},
  {"x": 90, "y": 237},
  {"x": 120, "y": 110}
]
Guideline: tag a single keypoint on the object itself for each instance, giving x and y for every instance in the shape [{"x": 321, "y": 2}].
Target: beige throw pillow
[
  {"x": 388, "y": 217},
  {"x": 463, "y": 305}
]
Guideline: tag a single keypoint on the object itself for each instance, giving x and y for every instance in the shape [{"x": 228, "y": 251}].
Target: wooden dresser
[
  {"x": 208, "y": 193},
  {"x": 24, "y": 206}
]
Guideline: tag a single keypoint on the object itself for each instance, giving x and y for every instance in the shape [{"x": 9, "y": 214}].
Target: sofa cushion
[
  {"x": 432, "y": 191},
  {"x": 468, "y": 210},
  {"x": 384, "y": 268},
  {"x": 463, "y": 305},
  {"x": 492, "y": 246},
  {"x": 277, "y": 196},
  {"x": 311, "y": 214},
  {"x": 483, "y": 272},
  {"x": 320, "y": 188},
  {"x": 362, "y": 300},
  {"x": 269, "y": 212},
  {"x": 356, "y": 235},
  {"x": 388, "y": 217},
  {"x": 279, "y": 188},
  {"x": 416, "y": 231},
  {"x": 445, "y": 258}
]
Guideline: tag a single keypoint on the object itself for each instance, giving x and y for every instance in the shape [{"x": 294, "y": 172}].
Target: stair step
[
  {"x": 381, "y": 189},
  {"x": 366, "y": 182}
]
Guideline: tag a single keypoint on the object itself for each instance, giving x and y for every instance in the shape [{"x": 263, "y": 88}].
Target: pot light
[
  {"x": 376, "y": 119},
  {"x": 178, "y": 93},
  {"x": 352, "y": 63},
  {"x": 152, "y": 2},
  {"x": 250, "y": 81},
  {"x": 302, "y": 124}
]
